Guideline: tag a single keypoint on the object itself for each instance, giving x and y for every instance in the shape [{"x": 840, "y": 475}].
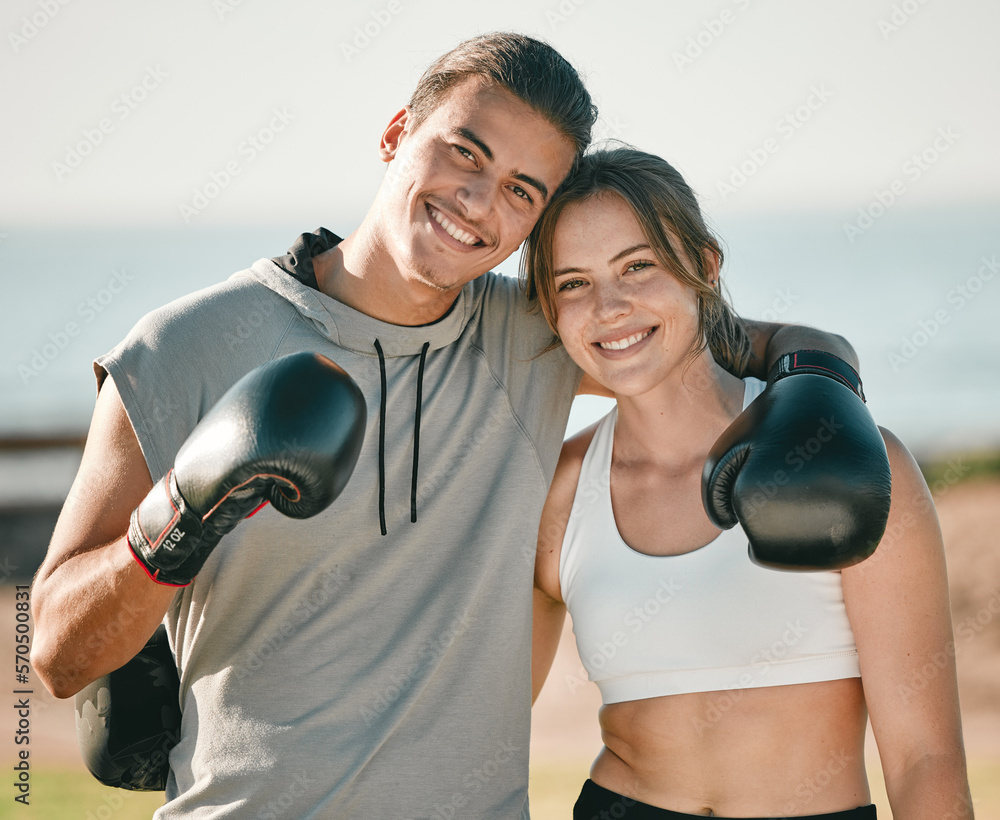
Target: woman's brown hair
[{"x": 665, "y": 207}]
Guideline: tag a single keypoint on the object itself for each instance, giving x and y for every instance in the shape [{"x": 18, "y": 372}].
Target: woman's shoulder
[
  {"x": 562, "y": 490},
  {"x": 574, "y": 451},
  {"x": 902, "y": 464}
]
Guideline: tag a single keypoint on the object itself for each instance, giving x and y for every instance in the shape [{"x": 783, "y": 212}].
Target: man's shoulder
[
  {"x": 229, "y": 312},
  {"x": 222, "y": 297},
  {"x": 501, "y": 301},
  {"x": 499, "y": 284}
]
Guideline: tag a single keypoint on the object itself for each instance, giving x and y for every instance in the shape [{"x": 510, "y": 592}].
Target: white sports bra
[{"x": 706, "y": 620}]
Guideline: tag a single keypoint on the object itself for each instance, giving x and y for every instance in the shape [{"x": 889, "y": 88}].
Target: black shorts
[{"x": 597, "y": 803}]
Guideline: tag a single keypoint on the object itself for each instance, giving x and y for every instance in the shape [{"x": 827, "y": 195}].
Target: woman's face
[{"x": 622, "y": 316}]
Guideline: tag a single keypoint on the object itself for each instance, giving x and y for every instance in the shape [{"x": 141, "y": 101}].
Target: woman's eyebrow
[{"x": 642, "y": 246}]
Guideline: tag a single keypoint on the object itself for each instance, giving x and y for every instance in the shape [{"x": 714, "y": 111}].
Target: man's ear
[{"x": 393, "y": 134}]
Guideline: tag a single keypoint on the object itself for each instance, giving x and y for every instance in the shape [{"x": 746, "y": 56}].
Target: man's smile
[{"x": 449, "y": 227}]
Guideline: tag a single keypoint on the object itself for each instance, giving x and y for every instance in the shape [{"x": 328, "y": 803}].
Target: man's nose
[{"x": 476, "y": 196}]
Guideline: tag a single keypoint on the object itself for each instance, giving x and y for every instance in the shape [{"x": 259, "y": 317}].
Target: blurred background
[{"x": 845, "y": 154}]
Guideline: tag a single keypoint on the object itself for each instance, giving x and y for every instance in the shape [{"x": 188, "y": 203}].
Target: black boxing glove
[
  {"x": 128, "y": 721},
  {"x": 288, "y": 432},
  {"x": 803, "y": 469}
]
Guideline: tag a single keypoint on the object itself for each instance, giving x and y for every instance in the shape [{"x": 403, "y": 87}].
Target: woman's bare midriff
[{"x": 775, "y": 751}]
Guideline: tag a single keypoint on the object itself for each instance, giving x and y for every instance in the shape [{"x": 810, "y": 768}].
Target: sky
[
  {"x": 205, "y": 116},
  {"x": 241, "y": 112}
]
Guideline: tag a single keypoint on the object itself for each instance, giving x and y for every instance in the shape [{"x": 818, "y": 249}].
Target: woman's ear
[
  {"x": 393, "y": 134},
  {"x": 712, "y": 266}
]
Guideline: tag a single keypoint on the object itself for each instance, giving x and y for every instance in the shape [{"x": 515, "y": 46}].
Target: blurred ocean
[{"x": 917, "y": 294}]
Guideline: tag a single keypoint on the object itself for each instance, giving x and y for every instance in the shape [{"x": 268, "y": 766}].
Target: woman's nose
[{"x": 612, "y": 300}]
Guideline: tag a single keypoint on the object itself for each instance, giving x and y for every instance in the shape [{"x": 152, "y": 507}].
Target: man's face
[{"x": 465, "y": 187}]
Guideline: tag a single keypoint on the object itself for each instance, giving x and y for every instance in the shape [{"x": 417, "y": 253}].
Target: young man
[{"x": 373, "y": 660}]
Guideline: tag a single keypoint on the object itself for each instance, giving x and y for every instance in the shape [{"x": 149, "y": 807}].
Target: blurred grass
[
  {"x": 955, "y": 468},
  {"x": 61, "y": 795},
  {"x": 555, "y": 785}
]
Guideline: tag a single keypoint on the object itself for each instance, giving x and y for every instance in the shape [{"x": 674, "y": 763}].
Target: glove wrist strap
[
  {"x": 166, "y": 536},
  {"x": 819, "y": 363}
]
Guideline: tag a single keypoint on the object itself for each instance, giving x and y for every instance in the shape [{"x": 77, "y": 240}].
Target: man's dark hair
[{"x": 531, "y": 70}]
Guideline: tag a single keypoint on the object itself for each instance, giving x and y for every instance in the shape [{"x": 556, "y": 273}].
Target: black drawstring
[
  {"x": 381, "y": 441},
  {"x": 416, "y": 433},
  {"x": 416, "y": 437}
]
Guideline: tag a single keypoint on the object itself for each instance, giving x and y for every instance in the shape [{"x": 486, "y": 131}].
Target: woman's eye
[
  {"x": 639, "y": 265},
  {"x": 569, "y": 284}
]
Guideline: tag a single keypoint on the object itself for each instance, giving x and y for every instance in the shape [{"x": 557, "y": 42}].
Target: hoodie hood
[{"x": 292, "y": 277}]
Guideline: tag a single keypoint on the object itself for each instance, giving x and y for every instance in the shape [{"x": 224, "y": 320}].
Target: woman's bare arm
[
  {"x": 549, "y": 609},
  {"x": 898, "y": 604}
]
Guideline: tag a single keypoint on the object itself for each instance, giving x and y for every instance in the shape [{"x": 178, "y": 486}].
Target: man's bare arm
[
  {"x": 771, "y": 341},
  {"x": 93, "y": 605}
]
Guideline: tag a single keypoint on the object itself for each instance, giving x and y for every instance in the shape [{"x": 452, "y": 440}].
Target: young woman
[{"x": 729, "y": 689}]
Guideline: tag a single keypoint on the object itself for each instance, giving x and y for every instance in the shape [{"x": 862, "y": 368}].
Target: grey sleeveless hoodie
[{"x": 373, "y": 661}]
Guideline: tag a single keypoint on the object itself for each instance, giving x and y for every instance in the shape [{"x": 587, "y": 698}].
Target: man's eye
[
  {"x": 465, "y": 152},
  {"x": 520, "y": 192}
]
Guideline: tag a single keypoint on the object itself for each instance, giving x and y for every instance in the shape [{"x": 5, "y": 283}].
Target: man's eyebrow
[
  {"x": 540, "y": 186},
  {"x": 537, "y": 184},
  {"x": 471, "y": 137}
]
